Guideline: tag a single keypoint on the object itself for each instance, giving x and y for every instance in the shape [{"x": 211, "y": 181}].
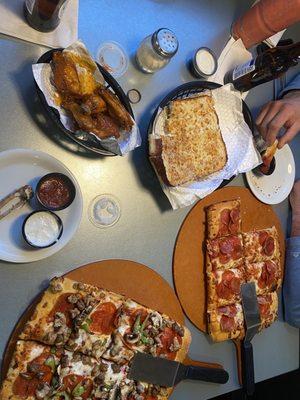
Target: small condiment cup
[
  {"x": 27, "y": 221},
  {"x": 67, "y": 182},
  {"x": 204, "y": 63}
]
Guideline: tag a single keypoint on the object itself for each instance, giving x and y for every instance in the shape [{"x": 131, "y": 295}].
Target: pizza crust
[{"x": 213, "y": 214}]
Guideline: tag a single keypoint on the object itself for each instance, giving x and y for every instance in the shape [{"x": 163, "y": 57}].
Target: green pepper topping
[
  {"x": 60, "y": 395},
  {"x": 86, "y": 325},
  {"x": 53, "y": 350},
  {"x": 78, "y": 390},
  {"x": 144, "y": 339},
  {"x": 50, "y": 362},
  {"x": 137, "y": 324}
]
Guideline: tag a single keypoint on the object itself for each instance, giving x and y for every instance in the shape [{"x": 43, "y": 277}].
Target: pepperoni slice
[
  {"x": 233, "y": 227},
  {"x": 103, "y": 319},
  {"x": 225, "y": 216},
  {"x": 64, "y": 306},
  {"x": 262, "y": 237},
  {"x": 227, "y": 323},
  {"x": 224, "y": 258},
  {"x": 229, "y": 310},
  {"x": 269, "y": 246},
  {"x": 267, "y": 277},
  {"x": 226, "y": 246},
  {"x": 229, "y": 286},
  {"x": 167, "y": 337},
  {"x": 27, "y": 387},
  {"x": 264, "y": 305},
  {"x": 213, "y": 249},
  {"x": 235, "y": 215}
]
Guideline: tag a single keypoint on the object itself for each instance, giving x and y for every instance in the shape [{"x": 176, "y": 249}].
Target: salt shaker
[{"x": 156, "y": 50}]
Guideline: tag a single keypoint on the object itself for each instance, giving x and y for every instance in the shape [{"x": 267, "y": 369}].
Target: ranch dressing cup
[
  {"x": 156, "y": 50},
  {"x": 204, "y": 63}
]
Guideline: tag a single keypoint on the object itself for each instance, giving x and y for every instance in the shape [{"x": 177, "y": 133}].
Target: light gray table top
[{"x": 147, "y": 229}]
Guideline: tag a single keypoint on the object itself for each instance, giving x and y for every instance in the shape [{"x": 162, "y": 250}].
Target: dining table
[{"x": 147, "y": 229}]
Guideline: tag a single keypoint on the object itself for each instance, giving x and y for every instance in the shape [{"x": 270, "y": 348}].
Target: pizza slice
[
  {"x": 224, "y": 286},
  {"x": 268, "y": 308},
  {"x": 266, "y": 275},
  {"x": 225, "y": 253},
  {"x": 226, "y": 322},
  {"x": 92, "y": 333},
  {"x": 224, "y": 219},
  {"x": 261, "y": 245},
  {"x": 31, "y": 372},
  {"x": 64, "y": 300},
  {"x": 145, "y": 330}
]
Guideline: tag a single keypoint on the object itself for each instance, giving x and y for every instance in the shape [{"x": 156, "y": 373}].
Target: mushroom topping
[
  {"x": 178, "y": 329},
  {"x": 116, "y": 368},
  {"x": 99, "y": 379},
  {"x": 77, "y": 357},
  {"x": 26, "y": 376},
  {"x": 155, "y": 390},
  {"x": 64, "y": 361},
  {"x": 33, "y": 368},
  {"x": 39, "y": 375},
  {"x": 74, "y": 313},
  {"x": 158, "y": 341},
  {"x": 73, "y": 298},
  {"x": 79, "y": 286},
  {"x": 103, "y": 367},
  {"x": 140, "y": 388},
  {"x": 96, "y": 370},
  {"x": 132, "y": 338},
  {"x": 80, "y": 305},
  {"x": 86, "y": 360},
  {"x": 42, "y": 390},
  {"x": 55, "y": 286},
  {"x": 50, "y": 337},
  {"x": 175, "y": 346}
]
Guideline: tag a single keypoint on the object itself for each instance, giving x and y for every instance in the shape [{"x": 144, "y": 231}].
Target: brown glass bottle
[
  {"x": 44, "y": 15},
  {"x": 265, "y": 67}
]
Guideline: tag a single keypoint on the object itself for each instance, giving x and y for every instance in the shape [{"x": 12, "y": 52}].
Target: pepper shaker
[{"x": 156, "y": 50}]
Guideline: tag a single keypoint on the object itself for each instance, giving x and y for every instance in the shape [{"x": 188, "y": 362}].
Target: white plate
[
  {"x": 19, "y": 167},
  {"x": 274, "y": 188}
]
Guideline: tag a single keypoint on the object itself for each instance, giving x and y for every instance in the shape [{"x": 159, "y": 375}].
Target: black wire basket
[
  {"x": 190, "y": 89},
  {"x": 54, "y": 114}
]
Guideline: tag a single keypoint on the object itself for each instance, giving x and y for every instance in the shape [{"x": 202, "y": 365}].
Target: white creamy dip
[
  {"x": 42, "y": 229},
  {"x": 205, "y": 61}
]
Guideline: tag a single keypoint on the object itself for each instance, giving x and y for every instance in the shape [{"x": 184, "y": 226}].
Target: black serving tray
[
  {"x": 54, "y": 115},
  {"x": 193, "y": 88}
]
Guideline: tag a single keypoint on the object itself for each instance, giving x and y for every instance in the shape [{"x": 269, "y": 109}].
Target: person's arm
[
  {"x": 291, "y": 284},
  {"x": 282, "y": 113}
]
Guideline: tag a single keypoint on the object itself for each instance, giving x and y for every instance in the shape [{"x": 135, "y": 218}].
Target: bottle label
[
  {"x": 29, "y": 5},
  {"x": 243, "y": 69}
]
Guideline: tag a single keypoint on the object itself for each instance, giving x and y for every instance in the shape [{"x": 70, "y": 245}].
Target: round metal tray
[
  {"x": 193, "y": 88},
  {"x": 54, "y": 115}
]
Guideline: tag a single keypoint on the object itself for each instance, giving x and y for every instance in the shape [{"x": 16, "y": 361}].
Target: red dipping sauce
[{"x": 55, "y": 191}]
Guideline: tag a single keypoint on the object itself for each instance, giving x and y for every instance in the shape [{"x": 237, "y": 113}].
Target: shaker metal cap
[{"x": 164, "y": 42}]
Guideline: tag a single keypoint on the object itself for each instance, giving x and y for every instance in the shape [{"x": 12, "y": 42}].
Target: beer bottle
[
  {"x": 267, "y": 66},
  {"x": 44, "y": 15}
]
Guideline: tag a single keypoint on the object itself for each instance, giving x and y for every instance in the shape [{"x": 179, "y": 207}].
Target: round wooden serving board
[
  {"x": 189, "y": 254},
  {"x": 129, "y": 278}
]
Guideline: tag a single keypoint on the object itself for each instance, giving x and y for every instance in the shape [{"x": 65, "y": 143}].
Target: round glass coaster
[{"x": 104, "y": 211}]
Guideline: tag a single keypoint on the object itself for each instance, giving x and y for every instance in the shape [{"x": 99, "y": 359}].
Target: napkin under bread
[{"x": 241, "y": 152}]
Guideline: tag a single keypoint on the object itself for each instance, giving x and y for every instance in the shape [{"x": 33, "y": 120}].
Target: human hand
[
  {"x": 284, "y": 113},
  {"x": 295, "y": 205}
]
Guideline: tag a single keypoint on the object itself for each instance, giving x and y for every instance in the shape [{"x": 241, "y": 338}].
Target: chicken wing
[
  {"x": 72, "y": 79},
  {"x": 93, "y": 104},
  {"x": 116, "y": 109},
  {"x": 102, "y": 125}
]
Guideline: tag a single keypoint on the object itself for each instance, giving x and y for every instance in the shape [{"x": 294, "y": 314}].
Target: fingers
[
  {"x": 275, "y": 124},
  {"x": 289, "y": 134},
  {"x": 265, "y": 118}
]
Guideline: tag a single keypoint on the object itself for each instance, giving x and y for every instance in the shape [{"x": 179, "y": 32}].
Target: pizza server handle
[
  {"x": 248, "y": 368},
  {"x": 215, "y": 375}
]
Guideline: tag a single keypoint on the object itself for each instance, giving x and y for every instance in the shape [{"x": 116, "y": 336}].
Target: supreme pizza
[
  {"x": 79, "y": 344},
  {"x": 232, "y": 258}
]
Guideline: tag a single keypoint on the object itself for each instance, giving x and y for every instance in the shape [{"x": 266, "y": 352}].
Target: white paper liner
[
  {"x": 42, "y": 74},
  {"x": 241, "y": 151}
]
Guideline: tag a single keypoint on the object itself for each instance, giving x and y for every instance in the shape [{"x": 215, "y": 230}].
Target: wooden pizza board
[
  {"x": 129, "y": 278},
  {"x": 189, "y": 262}
]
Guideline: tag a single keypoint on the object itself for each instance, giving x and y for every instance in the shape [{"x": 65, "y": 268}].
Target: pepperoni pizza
[
  {"x": 225, "y": 252},
  {"x": 232, "y": 258},
  {"x": 261, "y": 245},
  {"x": 79, "y": 344},
  {"x": 266, "y": 275},
  {"x": 224, "y": 219}
]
